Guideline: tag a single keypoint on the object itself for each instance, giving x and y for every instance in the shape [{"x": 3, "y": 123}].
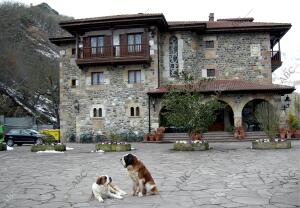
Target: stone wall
[
  {"x": 116, "y": 96},
  {"x": 234, "y": 56}
]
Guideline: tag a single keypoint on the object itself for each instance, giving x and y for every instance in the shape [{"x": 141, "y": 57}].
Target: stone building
[{"x": 114, "y": 69}]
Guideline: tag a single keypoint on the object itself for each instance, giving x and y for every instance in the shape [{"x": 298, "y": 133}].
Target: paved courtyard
[{"x": 229, "y": 175}]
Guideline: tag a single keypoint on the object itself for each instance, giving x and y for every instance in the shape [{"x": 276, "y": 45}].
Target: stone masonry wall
[
  {"x": 240, "y": 55},
  {"x": 115, "y": 96}
]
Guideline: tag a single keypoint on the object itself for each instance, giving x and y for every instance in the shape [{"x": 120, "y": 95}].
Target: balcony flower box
[
  {"x": 264, "y": 144},
  {"x": 113, "y": 147},
  {"x": 196, "y": 145}
]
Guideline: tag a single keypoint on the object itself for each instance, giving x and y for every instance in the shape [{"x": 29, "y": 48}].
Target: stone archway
[
  {"x": 225, "y": 119},
  {"x": 249, "y": 122}
]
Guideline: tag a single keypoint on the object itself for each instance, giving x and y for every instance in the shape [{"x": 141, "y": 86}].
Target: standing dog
[
  {"x": 139, "y": 174},
  {"x": 103, "y": 188}
]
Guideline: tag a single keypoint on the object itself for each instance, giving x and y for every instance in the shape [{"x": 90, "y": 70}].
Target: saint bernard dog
[
  {"x": 143, "y": 182},
  {"x": 103, "y": 188}
]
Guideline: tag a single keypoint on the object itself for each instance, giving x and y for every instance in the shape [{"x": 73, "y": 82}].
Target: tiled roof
[
  {"x": 115, "y": 17},
  {"x": 229, "y": 86}
]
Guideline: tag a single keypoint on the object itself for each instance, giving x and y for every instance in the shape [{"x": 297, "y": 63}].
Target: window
[
  {"x": 73, "y": 51},
  {"x": 173, "y": 56},
  {"x": 74, "y": 83},
  {"x": 100, "y": 112},
  {"x": 211, "y": 72},
  {"x": 97, "y": 78},
  {"x": 132, "y": 111},
  {"x": 95, "y": 112},
  {"x": 137, "y": 111},
  {"x": 209, "y": 44},
  {"x": 97, "y": 45},
  {"x": 134, "y": 42},
  {"x": 134, "y": 76}
]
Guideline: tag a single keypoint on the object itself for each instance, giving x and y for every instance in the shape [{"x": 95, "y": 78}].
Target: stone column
[{"x": 237, "y": 119}]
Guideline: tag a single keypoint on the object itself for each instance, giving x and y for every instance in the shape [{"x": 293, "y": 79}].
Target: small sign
[{"x": 255, "y": 50}]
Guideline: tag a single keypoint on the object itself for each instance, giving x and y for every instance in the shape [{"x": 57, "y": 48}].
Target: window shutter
[
  {"x": 144, "y": 43},
  {"x": 86, "y": 47},
  {"x": 216, "y": 72},
  {"x": 123, "y": 44},
  {"x": 204, "y": 73},
  {"x": 107, "y": 45}
]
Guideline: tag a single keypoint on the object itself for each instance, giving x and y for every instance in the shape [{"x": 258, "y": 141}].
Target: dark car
[{"x": 23, "y": 136}]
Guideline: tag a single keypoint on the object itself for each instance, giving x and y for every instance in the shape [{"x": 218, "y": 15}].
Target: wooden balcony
[
  {"x": 275, "y": 60},
  {"x": 117, "y": 54}
]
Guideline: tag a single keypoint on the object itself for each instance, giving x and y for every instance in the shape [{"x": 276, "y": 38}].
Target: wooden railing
[
  {"x": 275, "y": 56},
  {"x": 275, "y": 60},
  {"x": 115, "y": 51}
]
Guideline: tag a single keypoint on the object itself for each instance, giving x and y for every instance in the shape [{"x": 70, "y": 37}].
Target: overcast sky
[{"x": 262, "y": 10}]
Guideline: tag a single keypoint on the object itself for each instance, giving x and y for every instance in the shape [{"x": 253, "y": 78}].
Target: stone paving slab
[{"x": 229, "y": 175}]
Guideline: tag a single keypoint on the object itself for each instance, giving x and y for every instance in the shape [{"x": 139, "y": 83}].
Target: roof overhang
[
  {"x": 121, "y": 21},
  {"x": 63, "y": 40}
]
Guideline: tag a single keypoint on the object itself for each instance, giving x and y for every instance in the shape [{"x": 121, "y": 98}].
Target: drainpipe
[
  {"x": 158, "y": 60},
  {"x": 149, "y": 110}
]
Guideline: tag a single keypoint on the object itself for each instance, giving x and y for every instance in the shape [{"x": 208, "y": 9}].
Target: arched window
[
  {"x": 95, "y": 112},
  {"x": 100, "y": 112},
  {"x": 132, "y": 111},
  {"x": 173, "y": 56},
  {"x": 137, "y": 111}
]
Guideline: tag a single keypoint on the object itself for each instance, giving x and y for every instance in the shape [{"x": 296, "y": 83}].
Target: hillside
[{"x": 29, "y": 63}]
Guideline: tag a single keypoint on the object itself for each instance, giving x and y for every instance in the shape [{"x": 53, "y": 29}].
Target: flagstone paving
[{"x": 229, "y": 175}]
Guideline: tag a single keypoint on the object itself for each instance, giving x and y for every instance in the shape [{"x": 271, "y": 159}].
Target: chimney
[{"x": 211, "y": 17}]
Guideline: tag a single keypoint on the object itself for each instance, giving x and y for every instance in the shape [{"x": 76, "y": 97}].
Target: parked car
[{"x": 23, "y": 136}]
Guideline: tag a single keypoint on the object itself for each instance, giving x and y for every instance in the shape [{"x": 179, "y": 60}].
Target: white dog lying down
[{"x": 103, "y": 188}]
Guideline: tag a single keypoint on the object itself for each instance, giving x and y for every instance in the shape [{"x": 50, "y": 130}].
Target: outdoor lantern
[
  {"x": 76, "y": 105},
  {"x": 287, "y": 101}
]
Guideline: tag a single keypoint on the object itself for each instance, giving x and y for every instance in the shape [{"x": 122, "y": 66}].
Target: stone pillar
[{"x": 237, "y": 119}]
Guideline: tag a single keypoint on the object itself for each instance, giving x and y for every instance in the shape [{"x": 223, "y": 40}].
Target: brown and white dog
[
  {"x": 103, "y": 188},
  {"x": 143, "y": 182}
]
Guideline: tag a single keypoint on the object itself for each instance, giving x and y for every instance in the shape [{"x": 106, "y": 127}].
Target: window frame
[
  {"x": 135, "y": 76},
  {"x": 208, "y": 72},
  {"x": 99, "y": 48},
  {"x": 134, "y": 47},
  {"x": 209, "y": 44},
  {"x": 98, "y": 82}
]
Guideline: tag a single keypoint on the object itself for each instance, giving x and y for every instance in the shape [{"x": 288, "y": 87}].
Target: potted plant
[
  {"x": 161, "y": 129},
  {"x": 268, "y": 118},
  {"x": 293, "y": 125},
  {"x": 146, "y": 137},
  {"x": 289, "y": 133},
  {"x": 239, "y": 132},
  {"x": 196, "y": 135},
  {"x": 158, "y": 136},
  {"x": 152, "y": 136},
  {"x": 282, "y": 133}
]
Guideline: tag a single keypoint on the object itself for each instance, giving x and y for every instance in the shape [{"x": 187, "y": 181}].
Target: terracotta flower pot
[
  {"x": 146, "y": 137},
  {"x": 151, "y": 137},
  {"x": 196, "y": 136},
  {"x": 282, "y": 133},
  {"x": 157, "y": 136}
]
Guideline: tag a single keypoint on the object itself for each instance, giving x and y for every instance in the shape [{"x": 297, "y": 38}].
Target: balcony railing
[
  {"x": 275, "y": 60},
  {"x": 113, "y": 54}
]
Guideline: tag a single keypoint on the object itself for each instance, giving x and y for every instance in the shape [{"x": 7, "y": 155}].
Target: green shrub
[
  {"x": 100, "y": 138},
  {"x": 131, "y": 137},
  {"x": 2, "y": 147},
  {"x": 113, "y": 147},
  {"x": 292, "y": 121},
  {"x": 49, "y": 139},
  {"x": 44, "y": 147},
  {"x": 86, "y": 138},
  {"x": 71, "y": 138}
]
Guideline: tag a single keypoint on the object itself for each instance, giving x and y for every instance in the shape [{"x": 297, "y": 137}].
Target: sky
[{"x": 261, "y": 10}]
